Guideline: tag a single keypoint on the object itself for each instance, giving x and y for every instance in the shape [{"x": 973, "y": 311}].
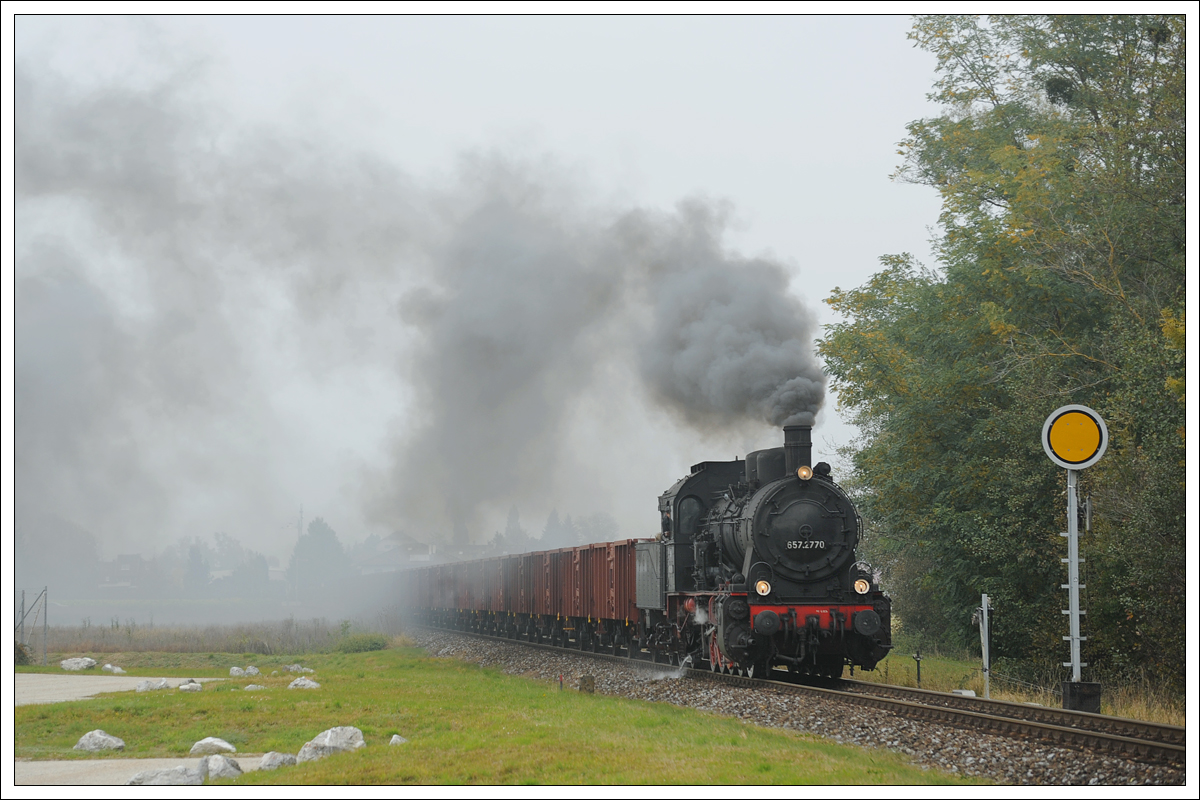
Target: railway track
[{"x": 1112, "y": 736}]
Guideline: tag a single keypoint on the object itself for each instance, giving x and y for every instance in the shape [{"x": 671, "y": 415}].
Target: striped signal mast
[{"x": 1075, "y": 437}]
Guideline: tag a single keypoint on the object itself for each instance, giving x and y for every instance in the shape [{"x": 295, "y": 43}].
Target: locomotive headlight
[
  {"x": 862, "y": 586},
  {"x": 804, "y": 473},
  {"x": 763, "y": 588}
]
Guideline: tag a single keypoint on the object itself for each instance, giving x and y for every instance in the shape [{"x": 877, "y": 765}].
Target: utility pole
[{"x": 985, "y": 639}]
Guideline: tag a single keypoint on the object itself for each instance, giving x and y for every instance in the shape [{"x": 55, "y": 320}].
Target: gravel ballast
[{"x": 929, "y": 745}]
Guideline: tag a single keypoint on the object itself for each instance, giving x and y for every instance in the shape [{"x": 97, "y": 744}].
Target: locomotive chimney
[{"x": 797, "y": 447}]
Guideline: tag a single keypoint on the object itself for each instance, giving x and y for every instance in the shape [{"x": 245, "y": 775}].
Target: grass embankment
[
  {"x": 264, "y": 638},
  {"x": 465, "y": 725},
  {"x": 1132, "y": 699}
]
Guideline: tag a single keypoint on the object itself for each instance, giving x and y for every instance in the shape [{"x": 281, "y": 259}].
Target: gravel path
[
  {"x": 107, "y": 771},
  {"x": 39, "y": 687},
  {"x": 930, "y": 745}
]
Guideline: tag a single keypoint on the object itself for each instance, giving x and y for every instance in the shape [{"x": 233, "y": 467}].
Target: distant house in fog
[
  {"x": 393, "y": 554},
  {"x": 123, "y": 572}
]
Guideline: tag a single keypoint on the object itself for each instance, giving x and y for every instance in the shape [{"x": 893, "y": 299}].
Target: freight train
[{"x": 754, "y": 570}]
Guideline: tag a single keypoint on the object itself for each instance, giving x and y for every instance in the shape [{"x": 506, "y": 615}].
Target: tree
[
  {"x": 195, "y": 579},
  {"x": 1060, "y": 160},
  {"x": 553, "y": 535},
  {"x": 251, "y": 578},
  {"x": 598, "y": 527},
  {"x": 318, "y": 563},
  {"x": 515, "y": 538},
  {"x": 50, "y": 550}
]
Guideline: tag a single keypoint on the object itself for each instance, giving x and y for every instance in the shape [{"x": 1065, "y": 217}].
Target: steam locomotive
[{"x": 754, "y": 570}]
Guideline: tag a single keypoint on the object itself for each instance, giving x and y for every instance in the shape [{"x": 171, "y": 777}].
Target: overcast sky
[{"x": 237, "y": 367}]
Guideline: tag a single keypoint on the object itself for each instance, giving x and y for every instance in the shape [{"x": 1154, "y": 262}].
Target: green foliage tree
[{"x": 1060, "y": 161}]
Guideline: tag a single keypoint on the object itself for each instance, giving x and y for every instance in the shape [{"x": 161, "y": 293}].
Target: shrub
[
  {"x": 23, "y": 654},
  {"x": 361, "y": 643}
]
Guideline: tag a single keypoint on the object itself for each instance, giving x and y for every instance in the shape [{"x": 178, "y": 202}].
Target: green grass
[
  {"x": 938, "y": 673},
  {"x": 465, "y": 725},
  {"x": 1130, "y": 699},
  {"x": 172, "y": 665}
]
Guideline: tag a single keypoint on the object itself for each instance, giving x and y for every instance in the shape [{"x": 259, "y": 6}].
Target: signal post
[{"x": 1075, "y": 437}]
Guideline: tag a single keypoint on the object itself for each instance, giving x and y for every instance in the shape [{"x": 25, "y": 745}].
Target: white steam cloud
[{"x": 178, "y": 281}]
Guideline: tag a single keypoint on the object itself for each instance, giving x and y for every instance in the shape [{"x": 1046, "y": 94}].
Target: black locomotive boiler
[{"x": 755, "y": 569}]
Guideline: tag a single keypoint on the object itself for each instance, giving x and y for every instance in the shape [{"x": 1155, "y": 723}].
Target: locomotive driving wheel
[
  {"x": 715, "y": 661},
  {"x": 830, "y": 666}
]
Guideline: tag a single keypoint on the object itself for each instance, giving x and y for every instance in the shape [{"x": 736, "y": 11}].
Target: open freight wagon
[{"x": 584, "y": 597}]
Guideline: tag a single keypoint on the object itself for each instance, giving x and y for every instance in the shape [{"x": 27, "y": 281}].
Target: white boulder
[
  {"x": 252, "y": 671},
  {"x": 254, "y": 687},
  {"x": 398, "y": 739},
  {"x": 335, "y": 740},
  {"x": 177, "y": 776},
  {"x": 113, "y": 670},
  {"x": 219, "y": 767},
  {"x": 190, "y": 687},
  {"x": 97, "y": 740},
  {"x": 304, "y": 683},
  {"x": 236, "y": 672},
  {"x": 275, "y": 760},
  {"x": 76, "y": 664},
  {"x": 151, "y": 686},
  {"x": 211, "y": 745}
]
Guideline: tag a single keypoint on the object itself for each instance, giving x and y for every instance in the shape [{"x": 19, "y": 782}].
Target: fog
[
  {"x": 183, "y": 287},
  {"x": 229, "y": 321}
]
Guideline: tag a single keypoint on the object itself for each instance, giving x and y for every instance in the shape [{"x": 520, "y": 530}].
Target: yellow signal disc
[{"x": 1075, "y": 437}]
